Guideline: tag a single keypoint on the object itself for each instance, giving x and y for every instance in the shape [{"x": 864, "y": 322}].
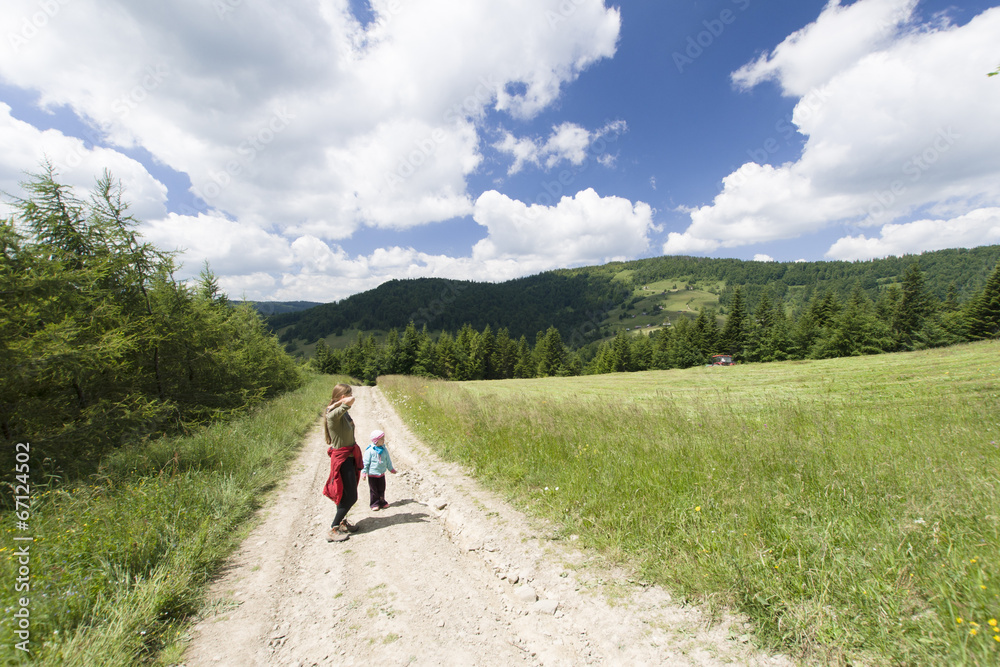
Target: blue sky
[{"x": 312, "y": 151}]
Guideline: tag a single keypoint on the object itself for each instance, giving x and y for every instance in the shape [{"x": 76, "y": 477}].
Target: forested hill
[
  {"x": 277, "y": 307},
  {"x": 524, "y": 306},
  {"x": 571, "y": 299},
  {"x": 964, "y": 269}
]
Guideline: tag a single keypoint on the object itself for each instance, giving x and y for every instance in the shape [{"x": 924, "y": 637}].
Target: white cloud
[
  {"x": 585, "y": 228},
  {"x": 760, "y": 257},
  {"x": 296, "y": 116},
  {"x": 568, "y": 142},
  {"x": 523, "y": 150},
  {"x": 686, "y": 243},
  {"x": 885, "y": 135},
  {"x": 840, "y": 37},
  {"x": 25, "y": 149},
  {"x": 228, "y": 246},
  {"x": 257, "y": 264},
  {"x": 978, "y": 227}
]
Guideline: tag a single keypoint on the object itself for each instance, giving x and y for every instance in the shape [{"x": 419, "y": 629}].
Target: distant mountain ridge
[
  {"x": 587, "y": 299},
  {"x": 268, "y": 308}
]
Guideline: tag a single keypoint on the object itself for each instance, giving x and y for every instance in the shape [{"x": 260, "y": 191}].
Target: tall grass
[
  {"x": 119, "y": 564},
  {"x": 850, "y": 507}
]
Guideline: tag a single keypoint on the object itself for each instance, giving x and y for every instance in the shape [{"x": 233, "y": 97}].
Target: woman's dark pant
[
  {"x": 349, "y": 475},
  {"x": 376, "y": 491}
]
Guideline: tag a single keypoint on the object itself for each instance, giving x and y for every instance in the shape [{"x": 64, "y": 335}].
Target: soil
[{"x": 448, "y": 574}]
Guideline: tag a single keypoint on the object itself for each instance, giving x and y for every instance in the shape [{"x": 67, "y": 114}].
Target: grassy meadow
[
  {"x": 850, "y": 507},
  {"x": 119, "y": 562}
]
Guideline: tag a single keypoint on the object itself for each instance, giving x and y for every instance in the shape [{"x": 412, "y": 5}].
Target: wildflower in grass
[
  {"x": 698, "y": 508},
  {"x": 959, "y": 620},
  {"x": 993, "y": 622},
  {"x": 973, "y": 632}
]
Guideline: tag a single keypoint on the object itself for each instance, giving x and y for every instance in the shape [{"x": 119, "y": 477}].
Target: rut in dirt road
[{"x": 449, "y": 574}]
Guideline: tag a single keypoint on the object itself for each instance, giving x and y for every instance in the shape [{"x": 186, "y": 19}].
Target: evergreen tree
[
  {"x": 100, "y": 345},
  {"x": 446, "y": 365},
  {"x": 914, "y": 305},
  {"x": 950, "y": 303},
  {"x": 708, "y": 331},
  {"x": 482, "y": 355},
  {"x": 391, "y": 351},
  {"x": 661, "y": 347},
  {"x": 504, "y": 355},
  {"x": 777, "y": 343},
  {"x": 600, "y": 364},
  {"x": 759, "y": 329},
  {"x": 856, "y": 331},
  {"x": 551, "y": 354},
  {"x": 426, "y": 362},
  {"x": 888, "y": 302},
  {"x": 406, "y": 356},
  {"x": 983, "y": 312},
  {"x": 733, "y": 338},
  {"x": 684, "y": 349},
  {"x": 525, "y": 367},
  {"x": 642, "y": 353},
  {"x": 464, "y": 342},
  {"x": 321, "y": 359},
  {"x": 814, "y": 324},
  {"x": 621, "y": 353}
]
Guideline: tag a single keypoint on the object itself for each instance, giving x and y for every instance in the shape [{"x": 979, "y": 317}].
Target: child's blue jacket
[{"x": 376, "y": 461}]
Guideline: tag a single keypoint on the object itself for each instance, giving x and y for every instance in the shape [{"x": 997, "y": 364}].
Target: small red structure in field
[{"x": 722, "y": 360}]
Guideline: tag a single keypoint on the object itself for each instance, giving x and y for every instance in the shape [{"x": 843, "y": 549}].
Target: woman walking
[{"x": 345, "y": 461}]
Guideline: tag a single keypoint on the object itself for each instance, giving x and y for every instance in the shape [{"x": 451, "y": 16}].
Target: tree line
[
  {"x": 905, "y": 317},
  {"x": 100, "y": 345},
  {"x": 522, "y": 306},
  {"x": 572, "y": 299}
]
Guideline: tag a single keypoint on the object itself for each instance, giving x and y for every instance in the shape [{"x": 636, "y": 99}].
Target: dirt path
[{"x": 447, "y": 575}]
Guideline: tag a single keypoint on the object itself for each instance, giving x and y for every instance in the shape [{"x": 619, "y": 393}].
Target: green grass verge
[
  {"x": 850, "y": 507},
  {"x": 118, "y": 565}
]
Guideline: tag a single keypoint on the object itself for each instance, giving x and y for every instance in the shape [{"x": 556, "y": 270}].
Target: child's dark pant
[{"x": 376, "y": 490}]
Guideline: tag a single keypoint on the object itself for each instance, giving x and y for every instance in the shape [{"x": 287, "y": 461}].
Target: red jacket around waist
[{"x": 334, "y": 487}]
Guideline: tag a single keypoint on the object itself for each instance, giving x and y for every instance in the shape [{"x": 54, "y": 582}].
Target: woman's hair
[{"x": 339, "y": 391}]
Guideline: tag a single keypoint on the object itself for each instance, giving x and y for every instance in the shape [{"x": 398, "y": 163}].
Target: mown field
[{"x": 850, "y": 507}]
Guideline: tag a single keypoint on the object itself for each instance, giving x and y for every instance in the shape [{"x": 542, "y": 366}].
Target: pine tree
[
  {"x": 446, "y": 364},
  {"x": 504, "y": 355},
  {"x": 407, "y": 352},
  {"x": 661, "y": 347},
  {"x": 525, "y": 367},
  {"x": 708, "y": 331},
  {"x": 551, "y": 354},
  {"x": 856, "y": 331},
  {"x": 684, "y": 350},
  {"x": 914, "y": 305},
  {"x": 426, "y": 363},
  {"x": 642, "y": 353},
  {"x": 983, "y": 312},
  {"x": 621, "y": 353},
  {"x": 733, "y": 338},
  {"x": 482, "y": 355},
  {"x": 101, "y": 346}
]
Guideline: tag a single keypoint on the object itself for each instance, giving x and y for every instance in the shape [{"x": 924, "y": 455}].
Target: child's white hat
[{"x": 377, "y": 435}]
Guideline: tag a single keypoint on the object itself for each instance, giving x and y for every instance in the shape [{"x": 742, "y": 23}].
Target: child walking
[{"x": 376, "y": 462}]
